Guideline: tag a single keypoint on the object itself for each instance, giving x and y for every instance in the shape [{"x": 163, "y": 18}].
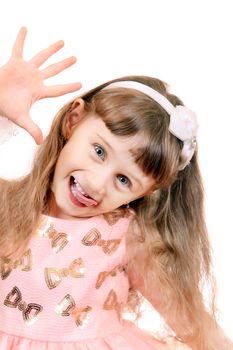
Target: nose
[{"x": 98, "y": 183}]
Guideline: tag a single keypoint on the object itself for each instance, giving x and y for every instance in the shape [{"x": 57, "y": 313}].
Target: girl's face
[{"x": 96, "y": 172}]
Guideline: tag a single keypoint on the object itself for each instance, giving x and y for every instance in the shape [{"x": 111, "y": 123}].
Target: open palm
[{"x": 22, "y": 83}]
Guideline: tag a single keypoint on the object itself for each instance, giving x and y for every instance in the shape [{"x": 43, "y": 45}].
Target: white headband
[{"x": 183, "y": 121}]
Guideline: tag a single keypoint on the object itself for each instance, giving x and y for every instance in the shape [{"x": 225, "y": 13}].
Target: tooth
[{"x": 79, "y": 187}]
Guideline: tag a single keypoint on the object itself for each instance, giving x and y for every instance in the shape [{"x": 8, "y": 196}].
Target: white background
[{"x": 185, "y": 43}]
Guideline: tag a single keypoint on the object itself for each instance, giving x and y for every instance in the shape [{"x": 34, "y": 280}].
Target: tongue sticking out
[{"x": 81, "y": 197}]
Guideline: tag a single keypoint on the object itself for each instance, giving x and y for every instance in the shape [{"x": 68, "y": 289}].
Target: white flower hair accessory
[{"x": 183, "y": 121}]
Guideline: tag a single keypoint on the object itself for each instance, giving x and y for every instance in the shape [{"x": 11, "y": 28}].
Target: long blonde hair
[{"x": 171, "y": 232}]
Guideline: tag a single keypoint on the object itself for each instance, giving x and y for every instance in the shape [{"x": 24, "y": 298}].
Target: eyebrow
[
  {"x": 131, "y": 175},
  {"x": 108, "y": 144}
]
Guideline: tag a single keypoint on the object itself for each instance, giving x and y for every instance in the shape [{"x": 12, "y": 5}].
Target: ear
[{"x": 74, "y": 116}]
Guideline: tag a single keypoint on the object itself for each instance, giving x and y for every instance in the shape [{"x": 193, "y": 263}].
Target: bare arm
[
  {"x": 169, "y": 304},
  {"x": 168, "y": 309},
  {"x": 22, "y": 83}
]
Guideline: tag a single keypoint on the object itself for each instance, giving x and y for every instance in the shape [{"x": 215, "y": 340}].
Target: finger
[
  {"x": 33, "y": 130},
  {"x": 17, "y": 50},
  {"x": 58, "y": 67},
  {"x": 59, "y": 90},
  {"x": 43, "y": 55}
]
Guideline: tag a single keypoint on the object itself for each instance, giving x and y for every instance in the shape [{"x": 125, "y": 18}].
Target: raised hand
[{"x": 22, "y": 83}]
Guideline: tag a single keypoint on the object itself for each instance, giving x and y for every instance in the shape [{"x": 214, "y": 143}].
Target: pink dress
[{"x": 67, "y": 290}]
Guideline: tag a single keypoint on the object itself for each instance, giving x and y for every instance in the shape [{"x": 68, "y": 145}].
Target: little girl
[{"x": 111, "y": 211}]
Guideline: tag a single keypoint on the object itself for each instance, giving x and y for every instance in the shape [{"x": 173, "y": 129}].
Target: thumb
[{"x": 33, "y": 130}]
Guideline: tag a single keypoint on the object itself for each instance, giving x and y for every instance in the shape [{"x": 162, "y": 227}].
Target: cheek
[
  {"x": 149, "y": 186},
  {"x": 60, "y": 165},
  {"x": 66, "y": 158}
]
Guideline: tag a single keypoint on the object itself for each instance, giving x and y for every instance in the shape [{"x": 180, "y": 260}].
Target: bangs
[{"x": 129, "y": 113}]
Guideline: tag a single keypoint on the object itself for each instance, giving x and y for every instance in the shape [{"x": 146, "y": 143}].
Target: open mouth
[{"x": 79, "y": 196}]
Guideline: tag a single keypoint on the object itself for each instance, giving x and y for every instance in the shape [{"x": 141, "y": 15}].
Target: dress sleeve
[{"x": 7, "y": 129}]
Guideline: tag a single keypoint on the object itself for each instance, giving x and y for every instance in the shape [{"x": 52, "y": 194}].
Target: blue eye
[
  {"x": 123, "y": 180},
  {"x": 100, "y": 152}
]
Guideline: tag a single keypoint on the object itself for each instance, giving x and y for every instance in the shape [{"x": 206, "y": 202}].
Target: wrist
[{"x": 3, "y": 84}]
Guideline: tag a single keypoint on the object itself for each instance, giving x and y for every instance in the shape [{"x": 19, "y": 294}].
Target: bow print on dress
[
  {"x": 30, "y": 311},
  {"x": 24, "y": 263},
  {"x": 104, "y": 274},
  {"x": 67, "y": 307},
  {"x": 58, "y": 239},
  {"x": 112, "y": 303},
  {"x": 53, "y": 276},
  {"x": 115, "y": 216},
  {"x": 93, "y": 237}
]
